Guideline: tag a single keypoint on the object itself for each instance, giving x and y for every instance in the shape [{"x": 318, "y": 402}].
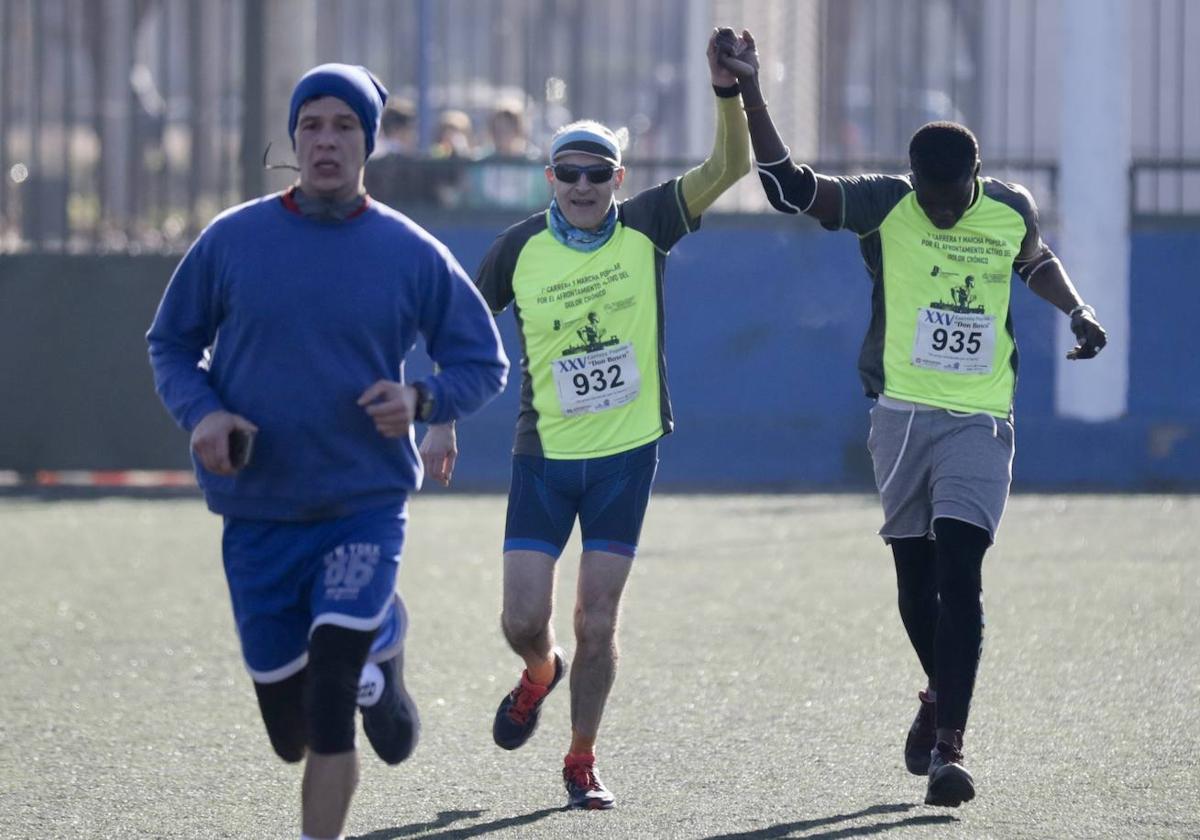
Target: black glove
[{"x": 1087, "y": 329}]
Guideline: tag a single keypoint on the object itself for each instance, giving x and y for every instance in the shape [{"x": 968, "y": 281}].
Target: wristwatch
[{"x": 425, "y": 402}]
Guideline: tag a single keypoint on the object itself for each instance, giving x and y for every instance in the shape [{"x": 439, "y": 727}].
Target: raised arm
[
  {"x": 790, "y": 188},
  {"x": 730, "y": 157}
]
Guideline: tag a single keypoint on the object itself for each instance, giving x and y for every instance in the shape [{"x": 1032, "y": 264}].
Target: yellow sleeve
[{"x": 729, "y": 160}]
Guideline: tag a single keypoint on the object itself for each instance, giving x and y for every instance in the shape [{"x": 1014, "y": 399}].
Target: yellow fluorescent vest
[
  {"x": 946, "y": 297},
  {"x": 940, "y": 331},
  {"x": 591, "y": 327}
]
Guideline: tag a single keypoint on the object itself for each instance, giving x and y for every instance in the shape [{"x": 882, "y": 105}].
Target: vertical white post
[{"x": 1094, "y": 156}]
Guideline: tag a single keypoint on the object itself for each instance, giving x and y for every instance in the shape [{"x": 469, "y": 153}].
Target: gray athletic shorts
[{"x": 932, "y": 462}]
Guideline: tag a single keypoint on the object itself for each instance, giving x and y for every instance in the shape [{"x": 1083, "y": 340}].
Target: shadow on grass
[
  {"x": 447, "y": 818},
  {"x": 797, "y": 828}
]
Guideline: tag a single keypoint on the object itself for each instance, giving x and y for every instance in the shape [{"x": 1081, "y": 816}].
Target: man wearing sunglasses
[
  {"x": 585, "y": 278},
  {"x": 941, "y": 245}
]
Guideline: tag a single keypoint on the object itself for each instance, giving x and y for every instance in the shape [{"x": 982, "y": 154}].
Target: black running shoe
[
  {"x": 950, "y": 785},
  {"x": 584, "y": 788},
  {"x": 922, "y": 735},
  {"x": 517, "y": 717},
  {"x": 390, "y": 716}
]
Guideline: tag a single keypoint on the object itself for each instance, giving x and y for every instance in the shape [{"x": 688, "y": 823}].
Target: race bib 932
[{"x": 597, "y": 381}]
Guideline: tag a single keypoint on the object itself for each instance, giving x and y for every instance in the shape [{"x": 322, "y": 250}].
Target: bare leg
[
  {"x": 602, "y": 579},
  {"x": 528, "y": 604},
  {"x": 329, "y": 783}
]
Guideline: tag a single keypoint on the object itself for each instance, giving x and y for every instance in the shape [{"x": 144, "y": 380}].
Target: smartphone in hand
[{"x": 241, "y": 446}]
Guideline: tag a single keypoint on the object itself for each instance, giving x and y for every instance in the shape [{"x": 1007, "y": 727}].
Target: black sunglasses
[{"x": 569, "y": 173}]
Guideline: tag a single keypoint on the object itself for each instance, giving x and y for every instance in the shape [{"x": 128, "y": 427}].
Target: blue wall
[{"x": 764, "y": 322}]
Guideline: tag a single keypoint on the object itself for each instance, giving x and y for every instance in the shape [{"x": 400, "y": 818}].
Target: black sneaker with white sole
[
  {"x": 950, "y": 785},
  {"x": 390, "y": 716}
]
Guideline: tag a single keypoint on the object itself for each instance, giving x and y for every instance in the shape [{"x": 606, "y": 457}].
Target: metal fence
[
  {"x": 1165, "y": 178},
  {"x": 126, "y": 124},
  {"x": 119, "y": 121}
]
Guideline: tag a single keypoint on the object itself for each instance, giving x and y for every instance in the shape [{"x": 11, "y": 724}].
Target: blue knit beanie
[{"x": 353, "y": 84}]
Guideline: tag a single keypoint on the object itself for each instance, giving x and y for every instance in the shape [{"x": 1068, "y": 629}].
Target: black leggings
[
  {"x": 940, "y": 599},
  {"x": 314, "y": 708}
]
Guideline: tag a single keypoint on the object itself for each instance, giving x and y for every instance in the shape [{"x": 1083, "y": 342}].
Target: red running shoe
[
  {"x": 517, "y": 717},
  {"x": 584, "y": 788}
]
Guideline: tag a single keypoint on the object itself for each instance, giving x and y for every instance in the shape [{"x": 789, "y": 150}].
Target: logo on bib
[
  {"x": 591, "y": 337},
  {"x": 961, "y": 297}
]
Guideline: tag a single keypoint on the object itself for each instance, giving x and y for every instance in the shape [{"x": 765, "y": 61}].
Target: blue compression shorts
[{"x": 609, "y": 495}]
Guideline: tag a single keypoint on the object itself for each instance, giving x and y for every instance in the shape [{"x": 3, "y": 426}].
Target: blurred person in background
[
  {"x": 395, "y": 173},
  {"x": 508, "y": 174},
  {"x": 455, "y": 136},
  {"x": 585, "y": 278},
  {"x": 452, "y": 150},
  {"x": 940, "y": 360},
  {"x": 286, "y": 325},
  {"x": 398, "y": 130}
]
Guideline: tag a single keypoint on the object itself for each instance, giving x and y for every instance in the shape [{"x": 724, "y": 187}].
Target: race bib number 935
[{"x": 954, "y": 342}]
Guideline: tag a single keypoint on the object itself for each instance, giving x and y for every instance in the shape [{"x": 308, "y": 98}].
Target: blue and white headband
[{"x": 589, "y": 139}]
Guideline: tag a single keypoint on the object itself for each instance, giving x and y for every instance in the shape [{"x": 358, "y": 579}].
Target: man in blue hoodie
[{"x": 279, "y": 345}]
